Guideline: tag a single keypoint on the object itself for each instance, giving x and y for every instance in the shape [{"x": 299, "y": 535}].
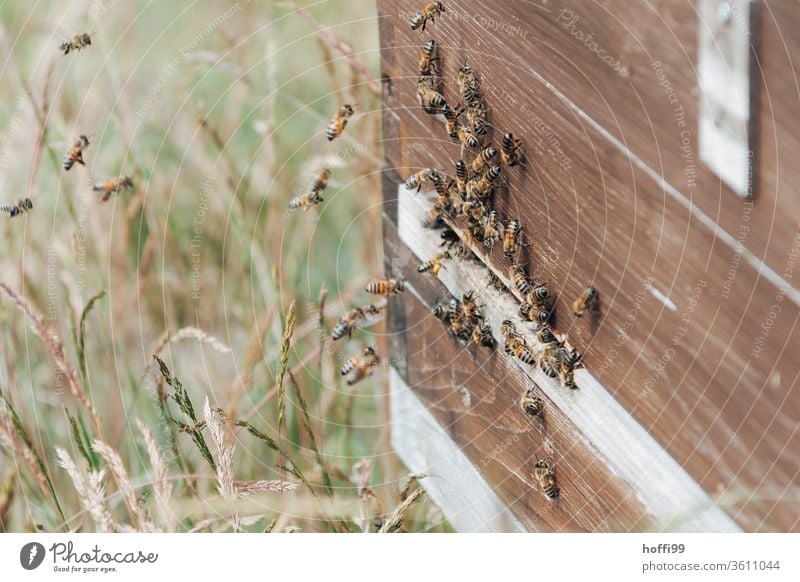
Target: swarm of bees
[
  {"x": 313, "y": 196},
  {"x": 360, "y": 366},
  {"x": 465, "y": 319},
  {"x": 76, "y": 43},
  {"x": 113, "y": 186},
  {"x": 339, "y": 121},
  {"x": 17, "y": 208},
  {"x": 429, "y": 13}
]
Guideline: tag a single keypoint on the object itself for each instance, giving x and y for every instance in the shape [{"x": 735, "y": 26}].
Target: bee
[
  {"x": 442, "y": 189},
  {"x": 429, "y": 98},
  {"x": 449, "y": 238},
  {"x": 451, "y": 120},
  {"x": 520, "y": 279},
  {"x": 467, "y": 136},
  {"x": 427, "y": 59},
  {"x": 470, "y": 308},
  {"x": 476, "y": 116},
  {"x": 587, "y": 300},
  {"x": 75, "y": 153},
  {"x": 362, "y": 365},
  {"x": 538, "y": 314},
  {"x": 537, "y": 296},
  {"x": 19, "y": 207},
  {"x": 545, "y": 478},
  {"x": 475, "y": 211},
  {"x": 482, "y": 334},
  {"x": 461, "y": 177},
  {"x": 339, "y": 121},
  {"x": 350, "y": 319},
  {"x": 549, "y": 362},
  {"x": 434, "y": 265},
  {"x": 484, "y": 185},
  {"x": 469, "y": 86},
  {"x": 491, "y": 231},
  {"x": 460, "y": 328},
  {"x": 546, "y": 336},
  {"x": 531, "y": 405},
  {"x": 76, "y": 43},
  {"x": 482, "y": 160},
  {"x": 570, "y": 359},
  {"x": 429, "y": 13},
  {"x": 511, "y": 238},
  {"x": 415, "y": 181},
  {"x": 509, "y": 150},
  {"x": 568, "y": 379},
  {"x": 442, "y": 312},
  {"x": 495, "y": 283},
  {"x": 435, "y": 217},
  {"x": 113, "y": 186},
  {"x": 312, "y": 197},
  {"x": 515, "y": 344},
  {"x": 386, "y": 287}
]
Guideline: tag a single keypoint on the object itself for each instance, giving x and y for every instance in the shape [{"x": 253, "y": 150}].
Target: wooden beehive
[{"x": 686, "y": 414}]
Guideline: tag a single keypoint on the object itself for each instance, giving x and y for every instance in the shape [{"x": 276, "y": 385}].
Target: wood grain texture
[{"x": 696, "y": 344}]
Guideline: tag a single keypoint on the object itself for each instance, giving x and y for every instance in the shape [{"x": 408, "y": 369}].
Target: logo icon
[{"x": 31, "y": 555}]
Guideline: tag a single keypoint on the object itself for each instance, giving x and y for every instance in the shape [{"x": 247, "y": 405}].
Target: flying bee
[
  {"x": 19, "y": 207},
  {"x": 511, "y": 242},
  {"x": 467, "y": 136},
  {"x": 482, "y": 334},
  {"x": 76, "y": 43},
  {"x": 509, "y": 150},
  {"x": 428, "y": 97},
  {"x": 549, "y": 362},
  {"x": 451, "y": 120},
  {"x": 545, "y": 478},
  {"x": 113, "y": 186},
  {"x": 350, "y": 319},
  {"x": 531, "y": 404},
  {"x": 386, "y": 287},
  {"x": 546, "y": 336},
  {"x": 491, "y": 230},
  {"x": 428, "y": 59},
  {"x": 482, "y": 160},
  {"x": 520, "y": 279},
  {"x": 75, "y": 153},
  {"x": 428, "y": 13},
  {"x": 415, "y": 181},
  {"x": 586, "y": 301},
  {"x": 434, "y": 265},
  {"x": 312, "y": 197},
  {"x": 339, "y": 121},
  {"x": 434, "y": 217},
  {"x": 449, "y": 238},
  {"x": 362, "y": 365}
]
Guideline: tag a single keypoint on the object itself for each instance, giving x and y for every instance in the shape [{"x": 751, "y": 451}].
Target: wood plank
[{"x": 689, "y": 350}]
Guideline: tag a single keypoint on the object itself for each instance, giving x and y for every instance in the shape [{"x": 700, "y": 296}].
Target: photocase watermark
[
  {"x": 679, "y": 113},
  {"x": 197, "y": 235},
  {"x": 676, "y": 340},
  {"x": 567, "y": 19}
]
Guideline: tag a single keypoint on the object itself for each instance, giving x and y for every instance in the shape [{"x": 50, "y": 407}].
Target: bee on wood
[
  {"x": 509, "y": 150},
  {"x": 428, "y": 97},
  {"x": 520, "y": 279},
  {"x": 312, "y": 197},
  {"x": 538, "y": 314},
  {"x": 428, "y": 13},
  {"x": 442, "y": 189},
  {"x": 428, "y": 60},
  {"x": 515, "y": 344},
  {"x": 350, "y": 319},
  {"x": 568, "y": 379},
  {"x": 449, "y": 238},
  {"x": 475, "y": 213},
  {"x": 461, "y": 177},
  {"x": 75, "y": 153},
  {"x": 483, "y": 159},
  {"x": 362, "y": 366},
  {"x": 21, "y": 206},
  {"x": 386, "y": 287},
  {"x": 586, "y": 301},
  {"x": 483, "y": 186},
  {"x": 477, "y": 118},
  {"x": 339, "y": 121},
  {"x": 531, "y": 405},
  {"x": 451, "y": 120},
  {"x": 537, "y": 296},
  {"x": 113, "y": 186},
  {"x": 545, "y": 478},
  {"x": 482, "y": 334},
  {"x": 469, "y": 86},
  {"x": 495, "y": 283},
  {"x": 434, "y": 217},
  {"x": 434, "y": 265},
  {"x": 76, "y": 43},
  {"x": 415, "y": 181},
  {"x": 549, "y": 362},
  {"x": 442, "y": 312},
  {"x": 569, "y": 360},
  {"x": 467, "y": 136},
  {"x": 511, "y": 237},
  {"x": 470, "y": 308},
  {"x": 546, "y": 336},
  {"x": 491, "y": 229}
]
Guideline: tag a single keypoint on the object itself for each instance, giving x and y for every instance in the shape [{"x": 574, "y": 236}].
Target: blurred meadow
[{"x": 218, "y": 111}]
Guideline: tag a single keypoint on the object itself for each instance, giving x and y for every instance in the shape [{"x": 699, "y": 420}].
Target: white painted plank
[
  {"x": 454, "y": 484},
  {"x": 662, "y": 486}
]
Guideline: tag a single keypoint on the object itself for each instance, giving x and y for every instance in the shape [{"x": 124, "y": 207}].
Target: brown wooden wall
[{"x": 714, "y": 380}]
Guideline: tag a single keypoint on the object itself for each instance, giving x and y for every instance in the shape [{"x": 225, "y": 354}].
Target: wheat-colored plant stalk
[
  {"x": 286, "y": 342},
  {"x": 161, "y": 484},
  {"x": 90, "y": 489},
  {"x": 395, "y": 521},
  {"x": 246, "y": 488},
  {"x": 192, "y": 333},
  {"x": 124, "y": 484},
  {"x": 216, "y": 427}
]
